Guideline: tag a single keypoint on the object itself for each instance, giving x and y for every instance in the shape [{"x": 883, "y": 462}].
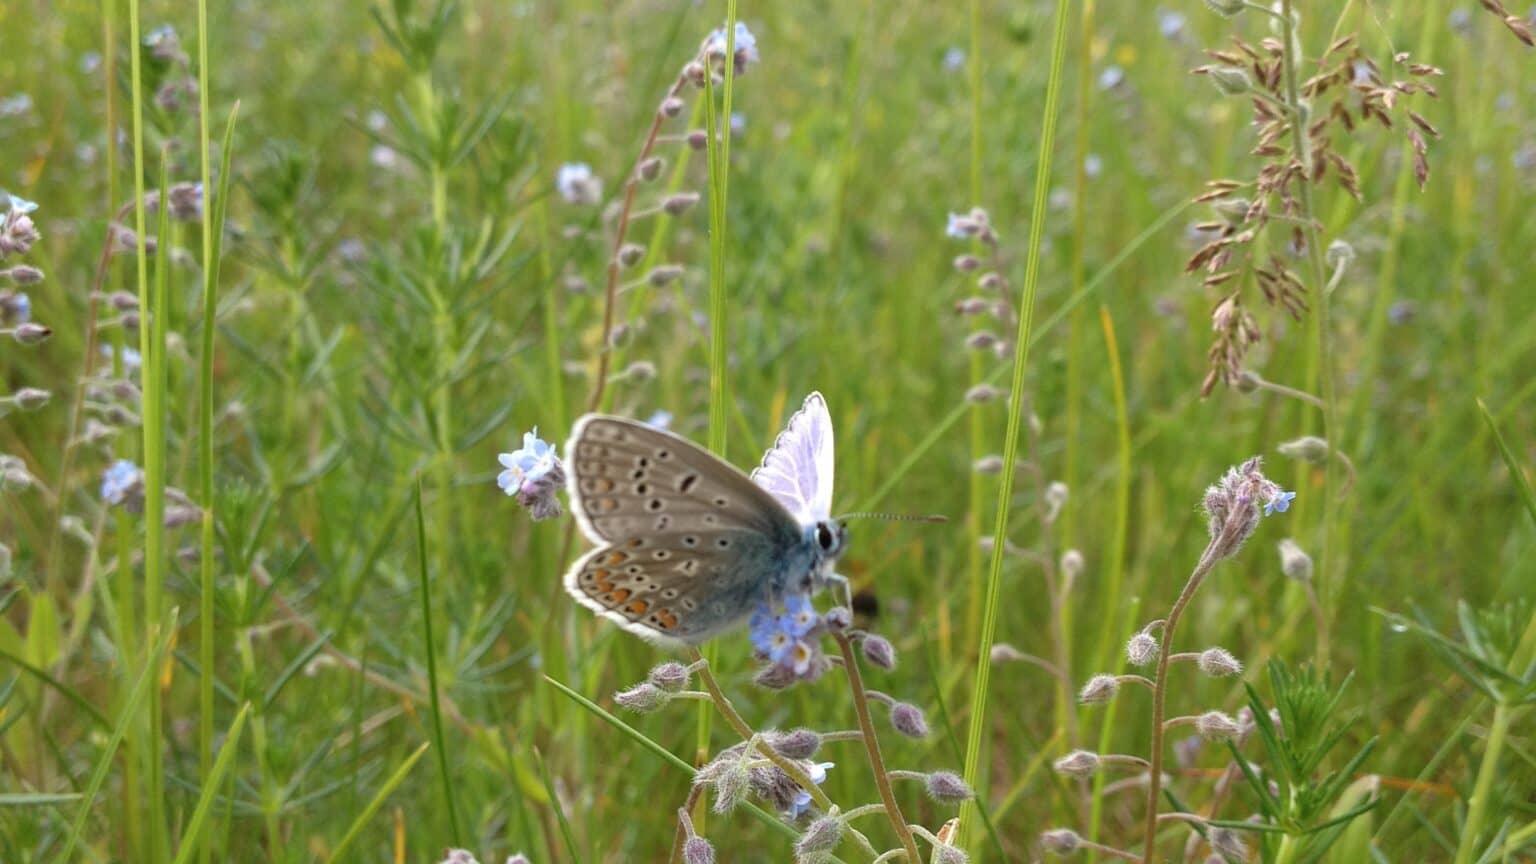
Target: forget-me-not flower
[
  {"x": 802, "y": 802},
  {"x": 1279, "y": 503},
  {"x": 746, "y": 46},
  {"x": 578, "y": 185},
  {"x": 119, "y": 481},
  {"x": 534, "y": 474}
]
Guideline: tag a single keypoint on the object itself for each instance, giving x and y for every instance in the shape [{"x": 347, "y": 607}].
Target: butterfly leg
[{"x": 839, "y": 582}]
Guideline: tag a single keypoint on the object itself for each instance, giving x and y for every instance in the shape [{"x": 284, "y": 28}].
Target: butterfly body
[{"x": 688, "y": 546}]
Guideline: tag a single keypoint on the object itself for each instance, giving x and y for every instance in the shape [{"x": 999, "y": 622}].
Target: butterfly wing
[
  {"x": 797, "y": 469},
  {"x": 688, "y": 545}
]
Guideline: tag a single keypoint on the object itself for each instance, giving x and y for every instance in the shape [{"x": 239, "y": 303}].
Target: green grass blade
[
  {"x": 126, "y": 718},
  {"x": 1011, "y": 441},
  {"x": 377, "y": 801},
  {"x": 432, "y": 685},
  {"x": 192, "y": 837}
]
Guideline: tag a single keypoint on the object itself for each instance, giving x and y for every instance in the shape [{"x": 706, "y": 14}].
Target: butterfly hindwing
[
  {"x": 679, "y": 587},
  {"x": 688, "y": 545}
]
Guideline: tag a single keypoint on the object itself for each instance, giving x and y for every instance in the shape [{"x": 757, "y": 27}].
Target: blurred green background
[{"x": 365, "y": 340}]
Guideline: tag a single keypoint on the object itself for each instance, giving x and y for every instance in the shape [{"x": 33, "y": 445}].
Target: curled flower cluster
[
  {"x": 789, "y": 642},
  {"x": 534, "y": 474}
]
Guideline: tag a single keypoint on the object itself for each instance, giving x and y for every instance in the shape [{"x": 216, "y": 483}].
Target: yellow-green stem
[{"x": 975, "y": 742}]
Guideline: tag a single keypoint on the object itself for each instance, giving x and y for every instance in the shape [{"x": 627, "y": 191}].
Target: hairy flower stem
[
  {"x": 872, "y": 747},
  {"x": 695, "y": 792},
  {"x": 1323, "y": 359},
  {"x": 734, "y": 719},
  {"x": 620, "y": 232},
  {"x": 1160, "y": 690}
]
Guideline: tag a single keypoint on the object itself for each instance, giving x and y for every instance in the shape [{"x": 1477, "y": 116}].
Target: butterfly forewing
[
  {"x": 797, "y": 469},
  {"x": 686, "y": 541}
]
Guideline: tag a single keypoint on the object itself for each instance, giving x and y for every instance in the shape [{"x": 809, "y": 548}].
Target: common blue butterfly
[{"x": 687, "y": 545}]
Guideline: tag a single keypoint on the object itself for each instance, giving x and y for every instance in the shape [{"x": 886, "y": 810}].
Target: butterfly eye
[{"x": 824, "y": 537}]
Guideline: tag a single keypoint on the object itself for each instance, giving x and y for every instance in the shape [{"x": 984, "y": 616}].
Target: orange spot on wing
[{"x": 639, "y": 606}]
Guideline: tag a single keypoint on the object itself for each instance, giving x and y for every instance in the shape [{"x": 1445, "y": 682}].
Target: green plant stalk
[
  {"x": 124, "y": 583},
  {"x": 974, "y": 742},
  {"x": 719, "y": 154},
  {"x": 976, "y": 500},
  {"x": 432, "y": 685},
  {"x": 1073, "y": 408},
  {"x": 152, "y": 372},
  {"x": 442, "y": 315},
  {"x": 1322, "y": 357},
  {"x": 1115, "y": 575}
]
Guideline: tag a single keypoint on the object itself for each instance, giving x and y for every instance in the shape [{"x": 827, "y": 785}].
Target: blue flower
[
  {"x": 17, "y": 306},
  {"x": 118, "y": 481},
  {"x": 662, "y": 419},
  {"x": 799, "y": 615},
  {"x": 764, "y": 625},
  {"x": 578, "y": 185},
  {"x": 1280, "y": 503},
  {"x": 132, "y": 360},
  {"x": 960, "y": 226},
  {"x": 954, "y": 59},
  {"x": 746, "y": 45},
  {"x": 527, "y": 465},
  {"x": 802, "y": 802},
  {"x": 21, "y": 205}
]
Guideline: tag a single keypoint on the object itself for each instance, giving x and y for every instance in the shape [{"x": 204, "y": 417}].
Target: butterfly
[{"x": 687, "y": 545}]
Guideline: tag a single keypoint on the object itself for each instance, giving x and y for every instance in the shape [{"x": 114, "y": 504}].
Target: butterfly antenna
[{"x": 896, "y": 517}]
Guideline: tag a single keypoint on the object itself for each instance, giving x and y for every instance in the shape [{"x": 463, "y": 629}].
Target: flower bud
[
  {"x": 796, "y": 744},
  {"x": 1339, "y": 254},
  {"x": 31, "y": 334},
  {"x": 1099, "y": 690},
  {"x": 1219, "y": 663},
  {"x": 1078, "y": 763},
  {"x": 981, "y": 340},
  {"x": 879, "y": 652},
  {"x": 681, "y": 203},
  {"x": 967, "y": 263},
  {"x": 671, "y": 107},
  {"x": 1294, "y": 561},
  {"x": 1216, "y": 726},
  {"x": 698, "y": 139},
  {"x": 1072, "y": 563},
  {"x": 983, "y": 393},
  {"x": 820, "y": 837},
  {"x": 642, "y": 698},
  {"x": 1228, "y": 844},
  {"x": 630, "y": 254},
  {"x": 31, "y": 398},
  {"x": 1309, "y": 449},
  {"x": 650, "y": 169},
  {"x": 1226, "y": 8},
  {"x": 908, "y": 719},
  {"x": 1142, "y": 649},
  {"x": 1002, "y": 652},
  {"x": 669, "y": 677},
  {"x": 664, "y": 275},
  {"x": 23, "y": 274},
  {"x": 698, "y": 851},
  {"x": 947, "y": 787},
  {"x": 988, "y": 465},
  {"x": 1061, "y": 841},
  {"x": 972, "y": 305},
  {"x": 948, "y": 854},
  {"x": 1230, "y": 80},
  {"x": 838, "y": 619},
  {"x": 1056, "y": 496}
]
